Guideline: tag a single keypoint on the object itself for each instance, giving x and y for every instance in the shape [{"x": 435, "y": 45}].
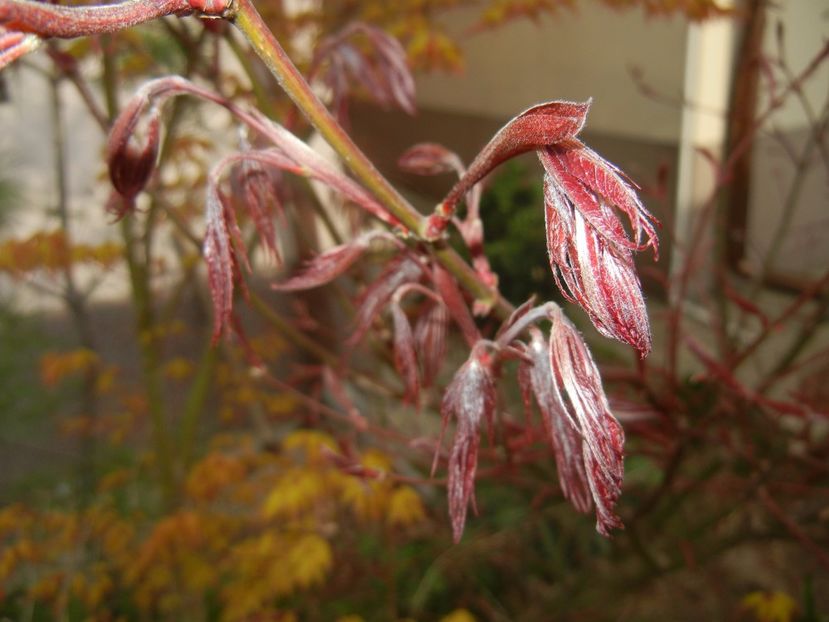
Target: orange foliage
[
  {"x": 255, "y": 527},
  {"x": 500, "y": 11},
  {"x": 57, "y": 366},
  {"x": 51, "y": 252}
]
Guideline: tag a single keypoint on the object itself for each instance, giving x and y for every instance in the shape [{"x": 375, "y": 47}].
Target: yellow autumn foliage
[
  {"x": 50, "y": 251},
  {"x": 296, "y": 491},
  {"x": 56, "y": 366},
  {"x": 774, "y": 606},
  {"x": 310, "y": 442},
  {"x": 308, "y": 560},
  {"x": 405, "y": 507},
  {"x": 428, "y": 48},
  {"x": 314, "y": 483},
  {"x": 458, "y": 615},
  {"x": 255, "y": 527},
  {"x": 501, "y": 11},
  {"x": 241, "y": 393},
  {"x": 178, "y": 368},
  {"x": 271, "y": 565},
  {"x": 209, "y": 476}
]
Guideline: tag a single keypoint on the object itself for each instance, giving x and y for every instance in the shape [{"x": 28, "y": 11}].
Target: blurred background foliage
[{"x": 173, "y": 480}]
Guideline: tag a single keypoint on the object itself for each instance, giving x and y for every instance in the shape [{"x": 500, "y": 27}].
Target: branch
[{"x": 66, "y": 22}]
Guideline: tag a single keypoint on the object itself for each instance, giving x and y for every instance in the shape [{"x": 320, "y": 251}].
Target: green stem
[
  {"x": 263, "y": 100},
  {"x": 75, "y": 300},
  {"x": 110, "y": 67},
  {"x": 150, "y": 359},
  {"x": 304, "y": 342},
  {"x": 150, "y": 356},
  {"x": 145, "y": 319},
  {"x": 297, "y": 338},
  {"x": 196, "y": 399}
]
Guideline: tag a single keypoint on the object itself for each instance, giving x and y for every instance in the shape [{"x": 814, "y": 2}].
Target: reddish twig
[
  {"x": 66, "y": 22},
  {"x": 792, "y": 527}
]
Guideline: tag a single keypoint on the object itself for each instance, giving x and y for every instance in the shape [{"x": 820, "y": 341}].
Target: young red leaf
[
  {"x": 542, "y": 125},
  {"x": 463, "y": 462},
  {"x": 589, "y": 248},
  {"x": 430, "y": 339},
  {"x": 131, "y": 161},
  {"x": 324, "y": 268},
  {"x": 591, "y": 271},
  {"x": 329, "y": 265},
  {"x": 218, "y": 256},
  {"x": 405, "y": 359},
  {"x": 453, "y": 298},
  {"x": 261, "y": 201},
  {"x": 470, "y": 398},
  {"x": 392, "y": 68},
  {"x": 595, "y": 187},
  {"x": 561, "y": 433},
  {"x": 401, "y": 270},
  {"x": 292, "y": 154},
  {"x": 579, "y": 393},
  {"x": 380, "y": 69}
]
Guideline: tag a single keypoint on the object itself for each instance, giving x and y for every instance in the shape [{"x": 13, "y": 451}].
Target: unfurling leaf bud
[
  {"x": 130, "y": 162},
  {"x": 401, "y": 270},
  {"x": 261, "y": 201},
  {"x": 327, "y": 266},
  {"x": 577, "y": 388},
  {"x": 218, "y": 254},
  {"x": 589, "y": 250},
  {"x": 405, "y": 359},
  {"x": 560, "y": 431},
  {"x": 470, "y": 398},
  {"x": 430, "y": 340},
  {"x": 379, "y": 69}
]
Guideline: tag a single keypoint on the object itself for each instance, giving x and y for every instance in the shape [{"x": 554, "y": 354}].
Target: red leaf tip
[
  {"x": 470, "y": 398},
  {"x": 589, "y": 250},
  {"x": 580, "y": 398}
]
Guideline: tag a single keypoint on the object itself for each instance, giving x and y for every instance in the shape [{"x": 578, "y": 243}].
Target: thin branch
[
  {"x": 67, "y": 22},
  {"x": 797, "y": 532}
]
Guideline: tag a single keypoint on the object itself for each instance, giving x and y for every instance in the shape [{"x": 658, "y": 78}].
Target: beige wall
[
  {"x": 784, "y": 201},
  {"x": 575, "y": 55},
  {"x": 805, "y": 26}
]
